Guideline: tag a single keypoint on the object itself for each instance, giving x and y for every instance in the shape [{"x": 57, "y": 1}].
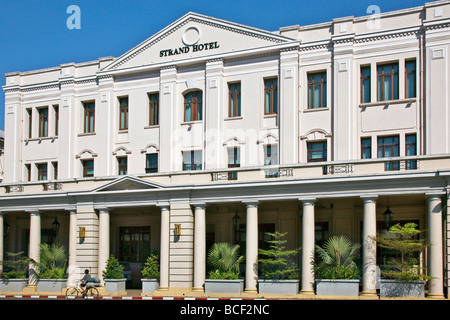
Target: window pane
[
  {"x": 188, "y": 116},
  {"x": 152, "y": 163},
  {"x": 365, "y": 84},
  {"x": 387, "y": 88}
]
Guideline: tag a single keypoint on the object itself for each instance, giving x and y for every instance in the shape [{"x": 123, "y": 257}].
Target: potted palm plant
[
  {"x": 150, "y": 273},
  {"x": 401, "y": 275},
  {"x": 335, "y": 270},
  {"x": 14, "y": 278},
  {"x": 224, "y": 260},
  {"x": 51, "y": 267},
  {"x": 115, "y": 281},
  {"x": 278, "y": 268}
]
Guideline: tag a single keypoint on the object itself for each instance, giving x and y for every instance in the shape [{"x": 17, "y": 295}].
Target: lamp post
[
  {"x": 236, "y": 223},
  {"x": 55, "y": 229},
  {"x": 388, "y": 215}
]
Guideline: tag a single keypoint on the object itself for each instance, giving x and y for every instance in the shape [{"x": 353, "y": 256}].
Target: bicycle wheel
[
  {"x": 92, "y": 293},
  {"x": 72, "y": 293}
]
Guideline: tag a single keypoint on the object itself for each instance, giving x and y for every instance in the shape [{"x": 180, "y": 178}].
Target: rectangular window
[
  {"x": 192, "y": 160},
  {"x": 387, "y": 82},
  {"x": 234, "y": 99},
  {"x": 234, "y": 161},
  {"x": 365, "y": 84},
  {"x": 317, "y": 151},
  {"x": 366, "y": 148},
  {"x": 30, "y": 123},
  {"x": 388, "y": 147},
  {"x": 271, "y": 96},
  {"x": 153, "y": 109},
  {"x": 134, "y": 243},
  {"x": 122, "y": 165},
  {"x": 410, "y": 77},
  {"x": 151, "y": 163},
  {"x": 123, "y": 113},
  {"x": 88, "y": 168},
  {"x": 89, "y": 117},
  {"x": 42, "y": 171},
  {"x": 317, "y": 90},
  {"x": 193, "y": 106},
  {"x": 56, "y": 109},
  {"x": 411, "y": 150},
  {"x": 43, "y": 122}
]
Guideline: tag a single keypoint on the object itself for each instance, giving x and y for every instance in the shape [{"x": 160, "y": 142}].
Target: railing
[{"x": 301, "y": 171}]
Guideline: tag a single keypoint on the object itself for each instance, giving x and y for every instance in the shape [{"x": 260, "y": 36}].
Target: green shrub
[
  {"x": 113, "y": 269},
  {"x": 277, "y": 262},
  {"x": 151, "y": 266},
  {"x": 16, "y": 266},
  {"x": 336, "y": 259},
  {"x": 52, "y": 261},
  {"x": 403, "y": 241},
  {"x": 224, "y": 260}
]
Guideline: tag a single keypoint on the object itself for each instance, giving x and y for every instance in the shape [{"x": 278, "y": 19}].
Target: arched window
[{"x": 193, "y": 106}]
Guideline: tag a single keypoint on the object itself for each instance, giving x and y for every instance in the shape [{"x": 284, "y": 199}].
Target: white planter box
[
  {"x": 224, "y": 286},
  {"x": 149, "y": 285},
  {"x": 51, "y": 285},
  {"x": 399, "y": 288},
  {"x": 115, "y": 285},
  {"x": 278, "y": 286},
  {"x": 13, "y": 285},
  {"x": 337, "y": 287}
]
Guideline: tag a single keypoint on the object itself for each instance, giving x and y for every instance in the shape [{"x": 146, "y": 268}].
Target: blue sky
[{"x": 34, "y": 33}]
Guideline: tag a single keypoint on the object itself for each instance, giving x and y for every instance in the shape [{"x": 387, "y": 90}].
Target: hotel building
[{"x": 211, "y": 131}]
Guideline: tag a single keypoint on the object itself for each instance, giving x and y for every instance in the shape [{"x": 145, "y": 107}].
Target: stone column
[
  {"x": 435, "y": 251},
  {"x": 308, "y": 242},
  {"x": 72, "y": 269},
  {"x": 164, "y": 247},
  {"x": 35, "y": 242},
  {"x": 103, "y": 240},
  {"x": 369, "y": 246},
  {"x": 251, "y": 259},
  {"x": 199, "y": 247}
]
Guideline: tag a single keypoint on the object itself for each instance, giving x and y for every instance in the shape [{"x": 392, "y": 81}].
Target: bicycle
[{"x": 89, "y": 292}]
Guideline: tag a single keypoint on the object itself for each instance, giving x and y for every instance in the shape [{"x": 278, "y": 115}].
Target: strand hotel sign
[{"x": 190, "y": 38}]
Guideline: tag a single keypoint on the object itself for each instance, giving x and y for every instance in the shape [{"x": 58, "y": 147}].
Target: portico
[{"x": 205, "y": 219}]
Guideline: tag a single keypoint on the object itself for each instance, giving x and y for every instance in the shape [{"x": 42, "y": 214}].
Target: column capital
[
  {"x": 307, "y": 200},
  {"x": 200, "y": 205},
  {"x": 435, "y": 195},
  {"x": 33, "y": 211},
  {"x": 71, "y": 209},
  {"x": 369, "y": 197},
  {"x": 163, "y": 205},
  {"x": 101, "y": 207}
]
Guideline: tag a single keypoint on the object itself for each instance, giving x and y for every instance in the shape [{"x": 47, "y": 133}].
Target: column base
[
  {"x": 307, "y": 292},
  {"x": 369, "y": 294},
  {"x": 435, "y": 296},
  {"x": 163, "y": 289},
  {"x": 197, "y": 289},
  {"x": 251, "y": 291}
]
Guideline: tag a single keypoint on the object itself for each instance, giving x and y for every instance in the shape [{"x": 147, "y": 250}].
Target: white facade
[{"x": 92, "y": 168}]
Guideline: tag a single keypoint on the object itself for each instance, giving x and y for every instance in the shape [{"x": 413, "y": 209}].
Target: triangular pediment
[
  {"x": 127, "y": 183},
  {"x": 196, "y": 36}
]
